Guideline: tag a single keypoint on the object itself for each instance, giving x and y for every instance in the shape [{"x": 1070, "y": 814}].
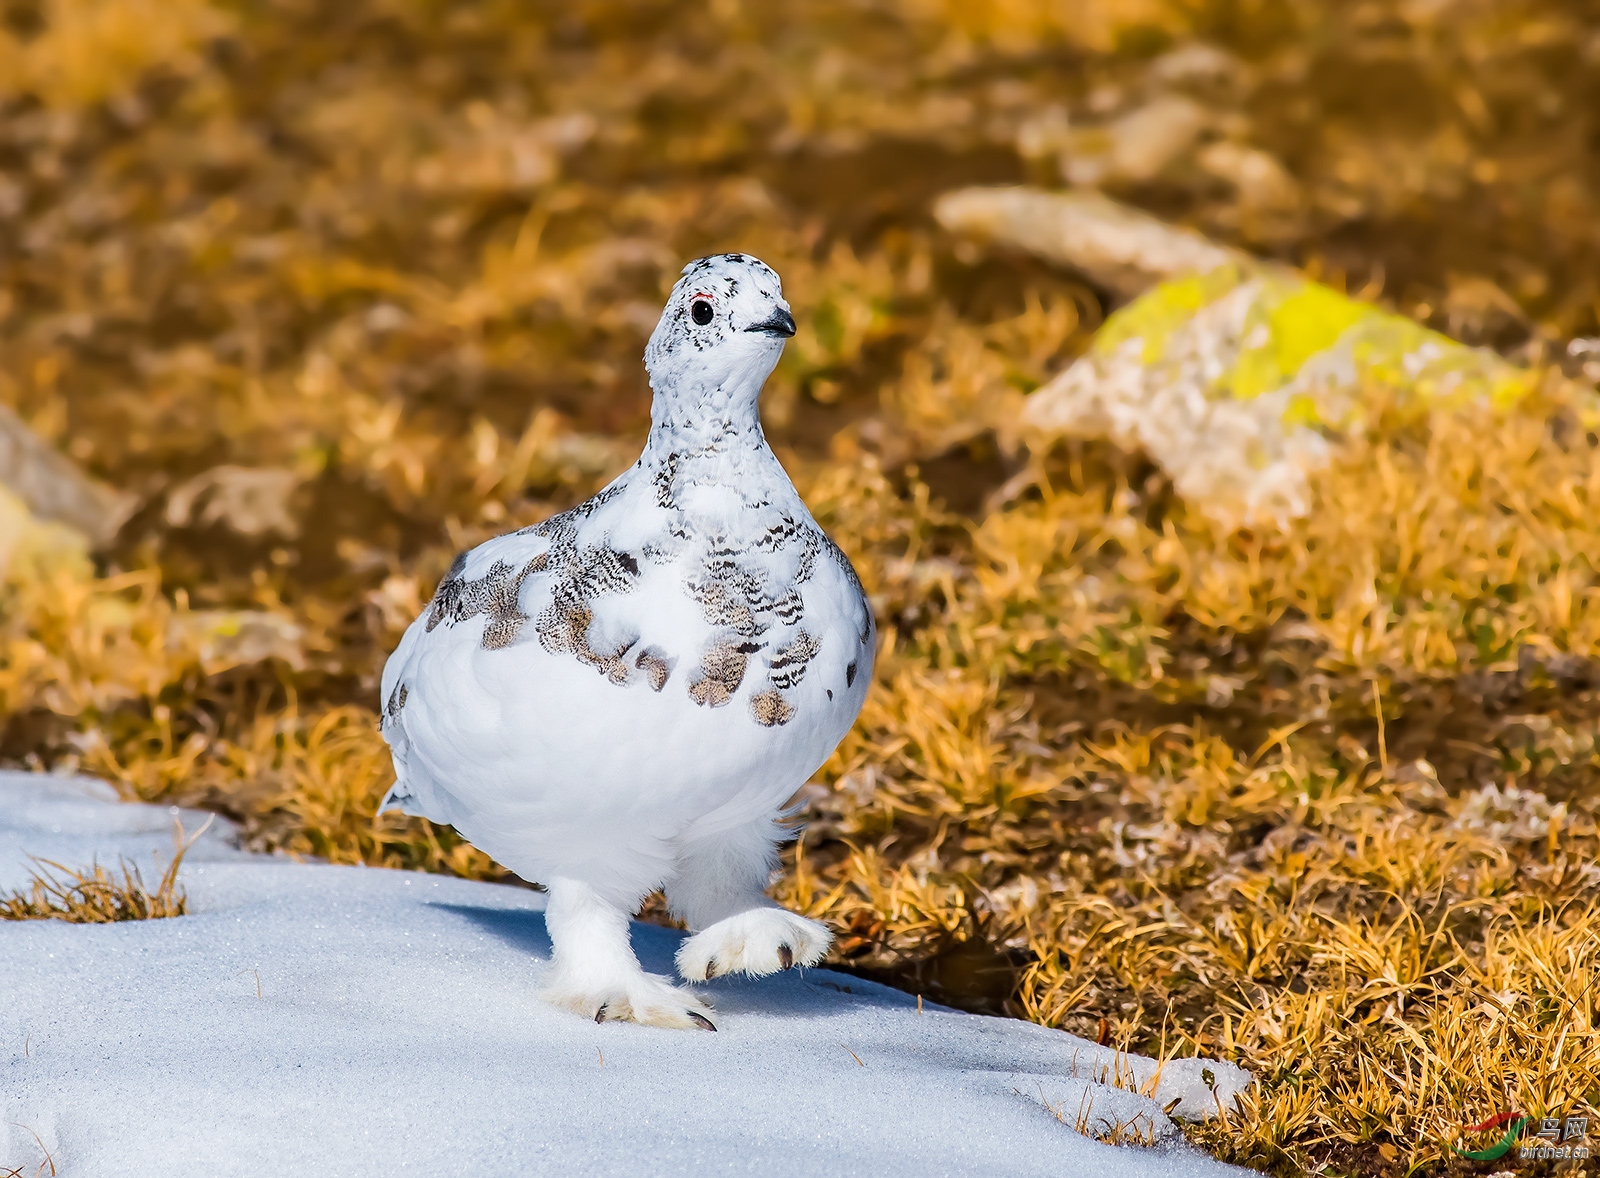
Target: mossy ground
[{"x": 340, "y": 289}]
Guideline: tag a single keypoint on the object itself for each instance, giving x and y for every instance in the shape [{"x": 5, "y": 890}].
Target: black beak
[{"x": 780, "y": 322}]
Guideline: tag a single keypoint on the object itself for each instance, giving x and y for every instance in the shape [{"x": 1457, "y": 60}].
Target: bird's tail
[{"x": 396, "y": 798}]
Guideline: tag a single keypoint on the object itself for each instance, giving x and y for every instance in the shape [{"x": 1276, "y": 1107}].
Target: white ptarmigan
[{"x": 624, "y": 696}]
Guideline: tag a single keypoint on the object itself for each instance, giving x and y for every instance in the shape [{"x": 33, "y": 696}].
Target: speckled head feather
[{"x": 724, "y": 325}]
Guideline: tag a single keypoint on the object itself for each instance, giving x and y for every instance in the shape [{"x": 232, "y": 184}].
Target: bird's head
[{"x": 723, "y": 327}]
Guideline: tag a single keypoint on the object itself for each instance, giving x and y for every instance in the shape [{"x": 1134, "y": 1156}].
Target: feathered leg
[
  {"x": 720, "y": 888},
  {"x": 594, "y": 972}
]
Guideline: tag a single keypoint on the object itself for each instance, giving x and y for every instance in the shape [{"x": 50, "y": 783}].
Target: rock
[
  {"x": 1236, "y": 376},
  {"x": 253, "y": 501},
  {"x": 224, "y": 638},
  {"x": 1477, "y": 308},
  {"x": 53, "y": 488},
  {"x": 1135, "y": 147},
  {"x": 1117, "y": 247},
  {"x": 1044, "y": 133},
  {"x": 497, "y": 153},
  {"x": 1239, "y": 381},
  {"x": 1259, "y": 178},
  {"x": 1196, "y": 62}
]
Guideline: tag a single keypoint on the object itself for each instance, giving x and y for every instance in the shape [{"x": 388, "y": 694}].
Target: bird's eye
[{"x": 701, "y": 312}]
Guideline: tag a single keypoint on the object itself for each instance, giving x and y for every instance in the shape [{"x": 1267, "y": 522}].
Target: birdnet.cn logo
[{"x": 1557, "y": 1138}]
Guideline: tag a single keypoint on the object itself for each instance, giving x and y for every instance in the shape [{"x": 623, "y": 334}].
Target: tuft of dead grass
[{"x": 96, "y": 895}]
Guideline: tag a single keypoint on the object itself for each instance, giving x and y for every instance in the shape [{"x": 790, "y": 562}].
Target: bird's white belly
[{"x": 542, "y": 762}]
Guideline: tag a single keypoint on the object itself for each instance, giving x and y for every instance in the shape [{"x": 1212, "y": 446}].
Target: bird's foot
[
  {"x": 644, "y": 998},
  {"x": 757, "y": 942}
]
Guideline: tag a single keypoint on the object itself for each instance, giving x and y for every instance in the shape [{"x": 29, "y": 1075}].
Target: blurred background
[{"x": 320, "y": 294}]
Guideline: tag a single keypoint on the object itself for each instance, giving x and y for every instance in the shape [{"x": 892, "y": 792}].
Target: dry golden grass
[
  {"x": 92, "y": 896},
  {"x": 87, "y": 51},
  {"x": 1301, "y": 894},
  {"x": 96, "y": 896},
  {"x": 340, "y": 289}
]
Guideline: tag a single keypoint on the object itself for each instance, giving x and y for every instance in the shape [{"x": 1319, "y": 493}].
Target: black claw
[
  {"x": 702, "y": 1020},
  {"x": 711, "y": 972},
  {"x": 600, "y": 1015},
  {"x": 785, "y": 957}
]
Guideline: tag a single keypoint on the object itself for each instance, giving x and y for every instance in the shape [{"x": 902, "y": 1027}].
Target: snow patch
[{"x": 397, "y": 1030}]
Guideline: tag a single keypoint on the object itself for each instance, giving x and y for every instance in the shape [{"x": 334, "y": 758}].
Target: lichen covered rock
[{"x": 1238, "y": 381}]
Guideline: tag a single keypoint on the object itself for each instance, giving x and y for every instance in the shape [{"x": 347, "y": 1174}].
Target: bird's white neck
[
  {"x": 689, "y": 416},
  {"x": 709, "y": 460}
]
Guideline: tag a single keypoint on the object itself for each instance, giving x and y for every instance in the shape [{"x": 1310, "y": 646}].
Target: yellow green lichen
[
  {"x": 1300, "y": 319},
  {"x": 1290, "y": 325},
  {"x": 1154, "y": 315}
]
